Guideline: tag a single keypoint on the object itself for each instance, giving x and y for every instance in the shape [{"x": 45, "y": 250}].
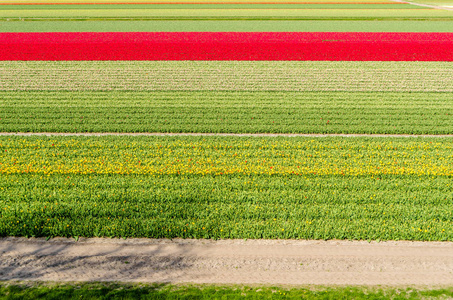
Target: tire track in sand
[{"x": 294, "y": 262}]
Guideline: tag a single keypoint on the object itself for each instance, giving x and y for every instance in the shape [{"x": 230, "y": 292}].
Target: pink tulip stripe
[{"x": 314, "y": 46}]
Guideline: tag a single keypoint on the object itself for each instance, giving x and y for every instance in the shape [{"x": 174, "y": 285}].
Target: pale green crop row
[
  {"x": 230, "y": 25},
  {"x": 348, "y": 76},
  {"x": 229, "y": 13}
]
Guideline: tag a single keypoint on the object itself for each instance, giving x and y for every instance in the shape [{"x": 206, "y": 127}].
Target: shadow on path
[{"x": 66, "y": 261}]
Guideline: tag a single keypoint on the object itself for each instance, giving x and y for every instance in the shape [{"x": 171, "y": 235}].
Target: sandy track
[
  {"x": 228, "y": 261},
  {"x": 223, "y": 134},
  {"x": 444, "y": 7}
]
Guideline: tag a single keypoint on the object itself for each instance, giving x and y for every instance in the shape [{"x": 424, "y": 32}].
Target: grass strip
[
  {"x": 166, "y": 291},
  {"x": 228, "y": 25},
  {"x": 223, "y": 187}
]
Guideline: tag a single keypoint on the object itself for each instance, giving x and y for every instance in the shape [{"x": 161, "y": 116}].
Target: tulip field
[
  {"x": 197, "y": 187},
  {"x": 72, "y": 71},
  {"x": 235, "y": 46}
]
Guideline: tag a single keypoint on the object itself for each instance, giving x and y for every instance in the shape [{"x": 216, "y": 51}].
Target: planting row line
[{"x": 226, "y": 76}]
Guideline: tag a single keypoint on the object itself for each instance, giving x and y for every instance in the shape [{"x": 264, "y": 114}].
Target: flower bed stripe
[{"x": 313, "y": 46}]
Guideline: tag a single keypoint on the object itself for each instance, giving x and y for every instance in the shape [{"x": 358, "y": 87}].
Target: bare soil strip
[
  {"x": 223, "y": 134},
  {"x": 228, "y": 261}
]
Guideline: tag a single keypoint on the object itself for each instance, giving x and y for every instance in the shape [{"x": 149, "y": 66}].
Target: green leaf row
[{"x": 226, "y": 112}]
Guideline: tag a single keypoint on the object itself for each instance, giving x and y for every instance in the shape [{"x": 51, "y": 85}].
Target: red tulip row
[{"x": 314, "y": 46}]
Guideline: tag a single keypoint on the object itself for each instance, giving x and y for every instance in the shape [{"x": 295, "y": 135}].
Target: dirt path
[
  {"x": 222, "y": 134},
  {"x": 425, "y": 5},
  {"x": 228, "y": 261}
]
